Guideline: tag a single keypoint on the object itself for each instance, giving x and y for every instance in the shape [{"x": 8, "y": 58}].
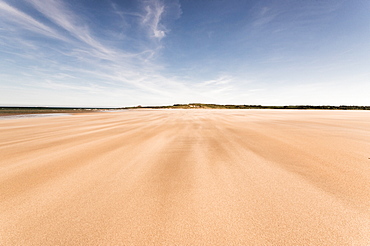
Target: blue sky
[{"x": 113, "y": 53}]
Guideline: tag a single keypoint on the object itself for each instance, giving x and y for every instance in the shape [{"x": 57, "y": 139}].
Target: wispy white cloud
[
  {"x": 61, "y": 15},
  {"x": 222, "y": 80},
  {"x": 105, "y": 64},
  {"x": 214, "y": 90},
  {"x": 154, "y": 10},
  {"x": 47, "y": 46},
  {"x": 292, "y": 13},
  {"x": 266, "y": 15},
  {"x": 12, "y": 15}
]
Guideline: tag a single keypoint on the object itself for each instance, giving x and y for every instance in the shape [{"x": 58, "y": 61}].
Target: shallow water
[{"x": 21, "y": 116}]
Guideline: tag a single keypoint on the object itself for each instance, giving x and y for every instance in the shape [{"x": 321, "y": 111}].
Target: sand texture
[{"x": 186, "y": 177}]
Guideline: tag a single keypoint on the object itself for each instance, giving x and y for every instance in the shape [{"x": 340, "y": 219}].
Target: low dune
[{"x": 186, "y": 177}]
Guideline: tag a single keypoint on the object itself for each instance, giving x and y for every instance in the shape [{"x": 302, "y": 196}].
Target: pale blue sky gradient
[{"x": 113, "y": 53}]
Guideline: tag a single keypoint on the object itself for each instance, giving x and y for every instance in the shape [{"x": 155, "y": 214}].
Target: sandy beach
[{"x": 186, "y": 177}]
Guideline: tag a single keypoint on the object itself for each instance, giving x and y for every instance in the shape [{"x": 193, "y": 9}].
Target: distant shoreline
[
  {"x": 12, "y": 111},
  {"x": 24, "y": 116},
  {"x": 7, "y": 111}
]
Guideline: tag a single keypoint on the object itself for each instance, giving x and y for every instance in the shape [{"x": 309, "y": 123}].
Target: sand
[{"x": 186, "y": 177}]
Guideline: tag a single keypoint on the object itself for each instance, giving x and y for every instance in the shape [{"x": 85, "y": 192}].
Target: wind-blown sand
[{"x": 186, "y": 177}]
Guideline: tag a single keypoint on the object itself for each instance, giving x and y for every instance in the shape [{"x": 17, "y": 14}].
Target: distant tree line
[{"x": 229, "y": 106}]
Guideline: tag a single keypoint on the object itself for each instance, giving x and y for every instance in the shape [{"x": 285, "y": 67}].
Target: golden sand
[{"x": 186, "y": 177}]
